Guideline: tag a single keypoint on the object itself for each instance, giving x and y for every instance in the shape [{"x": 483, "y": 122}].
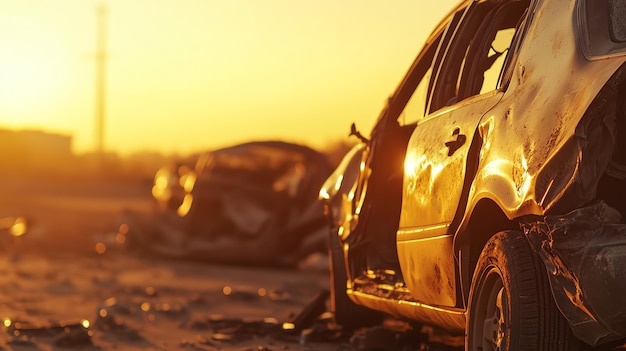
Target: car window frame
[
  {"x": 477, "y": 14},
  {"x": 518, "y": 40},
  {"x": 438, "y": 40},
  {"x": 443, "y": 50}
]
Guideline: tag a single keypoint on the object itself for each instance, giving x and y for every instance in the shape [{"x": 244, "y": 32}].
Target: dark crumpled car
[
  {"x": 252, "y": 203},
  {"x": 490, "y": 198}
]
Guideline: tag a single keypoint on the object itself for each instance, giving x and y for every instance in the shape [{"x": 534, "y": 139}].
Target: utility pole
[{"x": 100, "y": 98}]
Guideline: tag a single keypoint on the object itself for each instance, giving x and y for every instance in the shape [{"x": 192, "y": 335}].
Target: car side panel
[
  {"x": 433, "y": 179},
  {"x": 433, "y": 182},
  {"x": 431, "y": 272}
]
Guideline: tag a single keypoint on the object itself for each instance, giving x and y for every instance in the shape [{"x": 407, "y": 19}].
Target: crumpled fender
[{"x": 585, "y": 255}]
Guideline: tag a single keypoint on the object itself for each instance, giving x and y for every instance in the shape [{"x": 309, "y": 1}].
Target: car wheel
[
  {"x": 510, "y": 304},
  {"x": 347, "y": 314}
]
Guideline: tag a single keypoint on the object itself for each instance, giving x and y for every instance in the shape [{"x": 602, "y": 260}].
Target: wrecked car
[
  {"x": 252, "y": 203},
  {"x": 489, "y": 199}
]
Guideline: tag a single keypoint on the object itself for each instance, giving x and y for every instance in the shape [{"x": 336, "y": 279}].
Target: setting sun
[{"x": 32, "y": 73}]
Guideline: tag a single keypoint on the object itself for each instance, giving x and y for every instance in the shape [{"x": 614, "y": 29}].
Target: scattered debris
[
  {"x": 21, "y": 341},
  {"x": 227, "y": 329},
  {"x": 309, "y": 314},
  {"x": 74, "y": 338},
  {"x": 18, "y": 328},
  {"x": 241, "y": 294},
  {"x": 127, "y": 315},
  {"x": 277, "y": 295},
  {"x": 196, "y": 344},
  {"x": 65, "y": 333},
  {"x": 107, "y": 321},
  {"x": 382, "y": 338}
]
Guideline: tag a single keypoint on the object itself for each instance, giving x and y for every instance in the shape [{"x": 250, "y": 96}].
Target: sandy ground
[
  {"x": 61, "y": 290},
  {"x": 119, "y": 301}
]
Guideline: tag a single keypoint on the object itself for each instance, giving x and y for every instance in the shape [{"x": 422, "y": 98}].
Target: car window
[
  {"x": 415, "y": 108},
  {"x": 475, "y": 60},
  {"x": 415, "y": 93},
  {"x": 499, "y": 49}
]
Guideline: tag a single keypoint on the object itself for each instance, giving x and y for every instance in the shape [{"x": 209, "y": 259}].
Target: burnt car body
[
  {"x": 489, "y": 199},
  {"x": 251, "y": 203}
]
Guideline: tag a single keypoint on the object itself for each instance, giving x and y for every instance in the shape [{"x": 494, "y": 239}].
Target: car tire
[
  {"x": 510, "y": 303},
  {"x": 347, "y": 314}
]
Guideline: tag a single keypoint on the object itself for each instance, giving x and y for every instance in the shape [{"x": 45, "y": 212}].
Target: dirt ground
[
  {"x": 64, "y": 287},
  {"x": 119, "y": 301}
]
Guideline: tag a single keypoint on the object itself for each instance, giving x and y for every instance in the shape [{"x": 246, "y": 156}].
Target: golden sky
[{"x": 189, "y": 75}]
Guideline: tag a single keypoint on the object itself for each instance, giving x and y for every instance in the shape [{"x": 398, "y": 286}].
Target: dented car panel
[
  {"x": 434, "y": 172},
  {"x": 524, "y": 133},
  {"x": 435, "y": 164},
  {"x": 515, "y": 119}
]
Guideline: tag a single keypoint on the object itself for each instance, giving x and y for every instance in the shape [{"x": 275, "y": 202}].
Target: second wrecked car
[{"x": 251, "y": 203}]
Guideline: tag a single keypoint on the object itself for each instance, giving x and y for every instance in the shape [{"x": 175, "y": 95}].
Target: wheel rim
[{"x": 489, "y": 317}]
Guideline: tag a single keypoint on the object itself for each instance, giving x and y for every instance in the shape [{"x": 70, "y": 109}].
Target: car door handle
[{"x": 457, "y": 141}]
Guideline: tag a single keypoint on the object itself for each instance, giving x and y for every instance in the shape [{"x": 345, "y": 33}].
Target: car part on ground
[
  {"x": 252, "y": 203},
  {"x": 494, "y": 179}
]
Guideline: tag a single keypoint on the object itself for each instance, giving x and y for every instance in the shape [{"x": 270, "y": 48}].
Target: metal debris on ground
[
  {"x": 250, "y": 294},
  {"x": 200, "y": 343},
  {"x": 238, "y": 329},
  {"x": 398, "y": 335},
  {"x": 277, "y": 295},
  {"x": 309, "y": 314},
  {"x": 65, "y": 333},
  {"x": 21, "y": 340},
  {"x": 240, "y": 293},
  {"x": 323, "y": 329},
  {"x": 313, "y": 323},
  {"x": 383, "y": 339},
  {"x": 108, "y": 322},
  {"x": 74, "y": 338}
]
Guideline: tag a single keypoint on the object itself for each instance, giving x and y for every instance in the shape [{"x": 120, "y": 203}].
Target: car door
[{"x": 464, "y": 88}]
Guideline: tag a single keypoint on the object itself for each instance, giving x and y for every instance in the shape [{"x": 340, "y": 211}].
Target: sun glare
[
  {"x": 32, "y": 73},
  {"x": 21, "y": 78}
]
